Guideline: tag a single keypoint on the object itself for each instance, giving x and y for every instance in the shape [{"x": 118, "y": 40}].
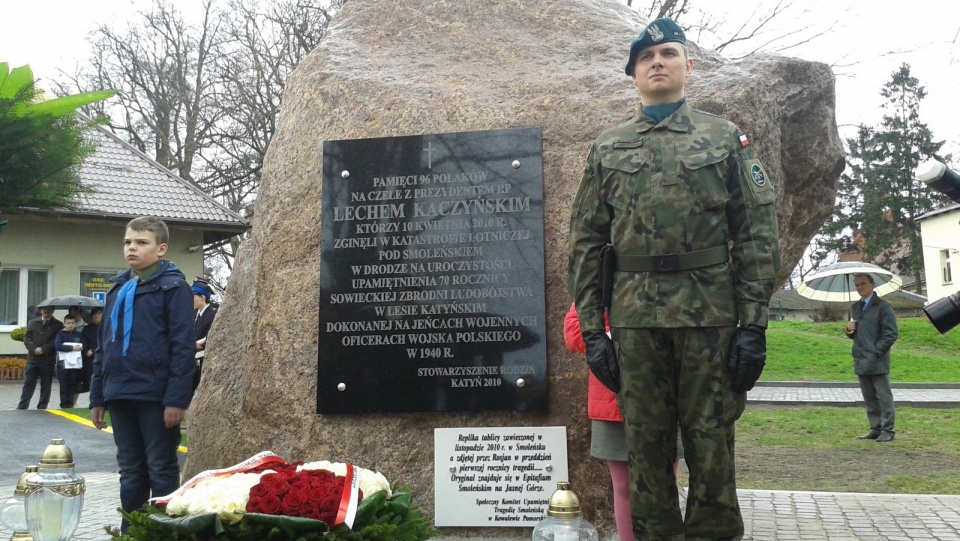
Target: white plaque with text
[{"x": 497, "y": 476}]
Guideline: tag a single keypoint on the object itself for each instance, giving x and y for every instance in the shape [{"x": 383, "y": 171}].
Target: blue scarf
[{"x": 125, "y": 298}]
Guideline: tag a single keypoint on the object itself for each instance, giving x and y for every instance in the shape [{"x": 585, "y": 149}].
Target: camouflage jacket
[{"x": 689, "y": 183}]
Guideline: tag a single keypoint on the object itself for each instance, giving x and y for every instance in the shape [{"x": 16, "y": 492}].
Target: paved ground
[
  {"x": 848, "y": 394},
  {"x": 769, "y": 515}
]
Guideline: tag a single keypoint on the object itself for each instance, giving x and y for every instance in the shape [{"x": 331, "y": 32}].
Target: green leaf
[
  {"x": 403, "y": 498},
  {"x": 67, "y": 104},
  {"x": 190, "y": 524},
  {"x": 368, "y": 507},
  {"x": 291, "y": 526},
  {"x": 13, "y": 81}
]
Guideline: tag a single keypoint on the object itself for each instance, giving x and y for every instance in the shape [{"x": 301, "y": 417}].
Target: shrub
[{"x": 18, "y": 334}]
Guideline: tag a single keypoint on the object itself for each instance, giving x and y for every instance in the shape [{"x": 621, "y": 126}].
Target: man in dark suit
[
  {"x": 41, "y": 358},
  {"x": 873, "y": 329},
  {"x": 205, "y": 312}
]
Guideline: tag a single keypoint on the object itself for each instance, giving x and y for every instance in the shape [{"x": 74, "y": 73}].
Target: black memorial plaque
[{"x": 432, "y": 274}]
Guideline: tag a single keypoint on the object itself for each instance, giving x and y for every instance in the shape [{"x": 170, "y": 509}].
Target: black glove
[
  {"x": 748, "y": 355},
  {"x": 601, "y": 359}
]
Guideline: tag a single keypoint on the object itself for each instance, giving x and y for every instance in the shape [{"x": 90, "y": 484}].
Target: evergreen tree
[
  {"x": 879, "y": 200},
  {"x": 847, "y": 221},
  {"x": 896, "y": 201}
]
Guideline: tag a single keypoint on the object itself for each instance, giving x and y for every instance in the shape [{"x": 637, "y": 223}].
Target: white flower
[
  {"x": 225, "y": 495},
  {"x": 370, "y": 481}
]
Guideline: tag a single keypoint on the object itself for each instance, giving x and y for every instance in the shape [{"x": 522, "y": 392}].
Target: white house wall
[
  {"x": 66, "y": 248},
  {"x": 940, "y": 232}
]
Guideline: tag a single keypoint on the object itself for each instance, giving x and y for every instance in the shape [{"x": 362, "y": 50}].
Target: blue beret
[{"x": 662, "y": 30}]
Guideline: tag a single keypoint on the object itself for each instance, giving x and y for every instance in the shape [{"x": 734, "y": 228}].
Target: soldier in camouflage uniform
[{"x": 690, "y": 214}]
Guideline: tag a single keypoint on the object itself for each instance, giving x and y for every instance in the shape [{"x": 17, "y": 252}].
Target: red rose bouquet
[
  {"x": 316, "y": 494},
  {"x": 265, "y": 497}
]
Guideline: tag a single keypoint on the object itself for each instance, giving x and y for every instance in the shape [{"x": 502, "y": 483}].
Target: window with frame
[
  {"x": 945, "y": 270},
  {"x": 21, "y": 290}
]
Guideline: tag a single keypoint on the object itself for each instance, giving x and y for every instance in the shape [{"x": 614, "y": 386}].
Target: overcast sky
[{"x": 866, "y": 42}]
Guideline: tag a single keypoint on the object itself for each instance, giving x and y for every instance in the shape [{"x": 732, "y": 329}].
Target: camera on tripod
[{"x": 943, "y": 313}]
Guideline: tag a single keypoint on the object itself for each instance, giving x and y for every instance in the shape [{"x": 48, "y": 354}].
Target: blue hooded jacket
[{"x": 160, "y": 363}]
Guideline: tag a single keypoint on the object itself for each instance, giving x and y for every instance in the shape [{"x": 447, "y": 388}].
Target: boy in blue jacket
[
  {"x": 143, "y": 369},
  {"x": 69, "y": 340}
]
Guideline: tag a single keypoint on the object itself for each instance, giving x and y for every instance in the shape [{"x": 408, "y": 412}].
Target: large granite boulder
[{"x": 390, "y": 68}]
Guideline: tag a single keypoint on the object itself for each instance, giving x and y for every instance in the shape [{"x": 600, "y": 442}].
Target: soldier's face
[{"x": 660, "y": 72}]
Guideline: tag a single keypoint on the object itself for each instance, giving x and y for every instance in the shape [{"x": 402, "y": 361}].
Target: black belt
[{"x": 673, "y": 262}]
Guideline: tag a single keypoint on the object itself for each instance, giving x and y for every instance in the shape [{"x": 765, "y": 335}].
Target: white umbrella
[{"x": 834, "y": 283}]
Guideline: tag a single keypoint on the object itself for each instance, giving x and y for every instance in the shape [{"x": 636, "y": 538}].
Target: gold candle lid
[
  {"x": 564, "y": 503},
  {"x": 56, "y": 455},
  {"x": 21, "y": 489}
]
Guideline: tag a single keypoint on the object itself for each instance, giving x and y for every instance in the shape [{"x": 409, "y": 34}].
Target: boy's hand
[
  {"x": 96, "y": 415},
  {"x": 173, "y": 416}
]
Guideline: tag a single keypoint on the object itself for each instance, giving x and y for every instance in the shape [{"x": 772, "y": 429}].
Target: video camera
[{"x": 943, "y": 313}]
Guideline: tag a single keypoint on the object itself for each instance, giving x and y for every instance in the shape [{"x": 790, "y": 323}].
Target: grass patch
[
  {"x": 801, "y": 351},
  {"x": 815, "y": 448},
  {"x": 818, "y": 427}
]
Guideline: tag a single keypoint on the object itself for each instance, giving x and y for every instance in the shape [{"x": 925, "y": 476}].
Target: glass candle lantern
[
  {"x": 54, "y": 495},
  {"x": 564, "y": 521},
  {"x": 13, "y": 513}
]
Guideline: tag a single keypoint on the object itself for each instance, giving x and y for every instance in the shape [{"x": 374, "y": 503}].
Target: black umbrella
[{"x": 66, "y": 301}]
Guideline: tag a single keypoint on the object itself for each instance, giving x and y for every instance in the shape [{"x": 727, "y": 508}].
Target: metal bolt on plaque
[
  {"x": 345, "y": 174},
  {"x": 521, "y": 383},
  {"x": 516, "y": 164},
  {"x": 342, "y": 387}
]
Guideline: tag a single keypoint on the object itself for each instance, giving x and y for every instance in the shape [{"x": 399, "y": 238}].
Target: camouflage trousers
[{"x": 673, "y": 376}]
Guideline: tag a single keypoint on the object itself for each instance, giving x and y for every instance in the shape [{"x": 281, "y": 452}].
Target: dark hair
[
  {"x": 154, "y": 225},
  {"x": 864, "y": 275},
  {"x": 69, "y": 317},
  {"x": 96, "y": 310}
]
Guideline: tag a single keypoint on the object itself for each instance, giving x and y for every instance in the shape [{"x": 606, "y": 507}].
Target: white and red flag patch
[{"x": 744, "y": 141}]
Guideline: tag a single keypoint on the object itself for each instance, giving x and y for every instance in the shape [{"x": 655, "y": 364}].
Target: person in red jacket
[{"x": 608, "y": 439}]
